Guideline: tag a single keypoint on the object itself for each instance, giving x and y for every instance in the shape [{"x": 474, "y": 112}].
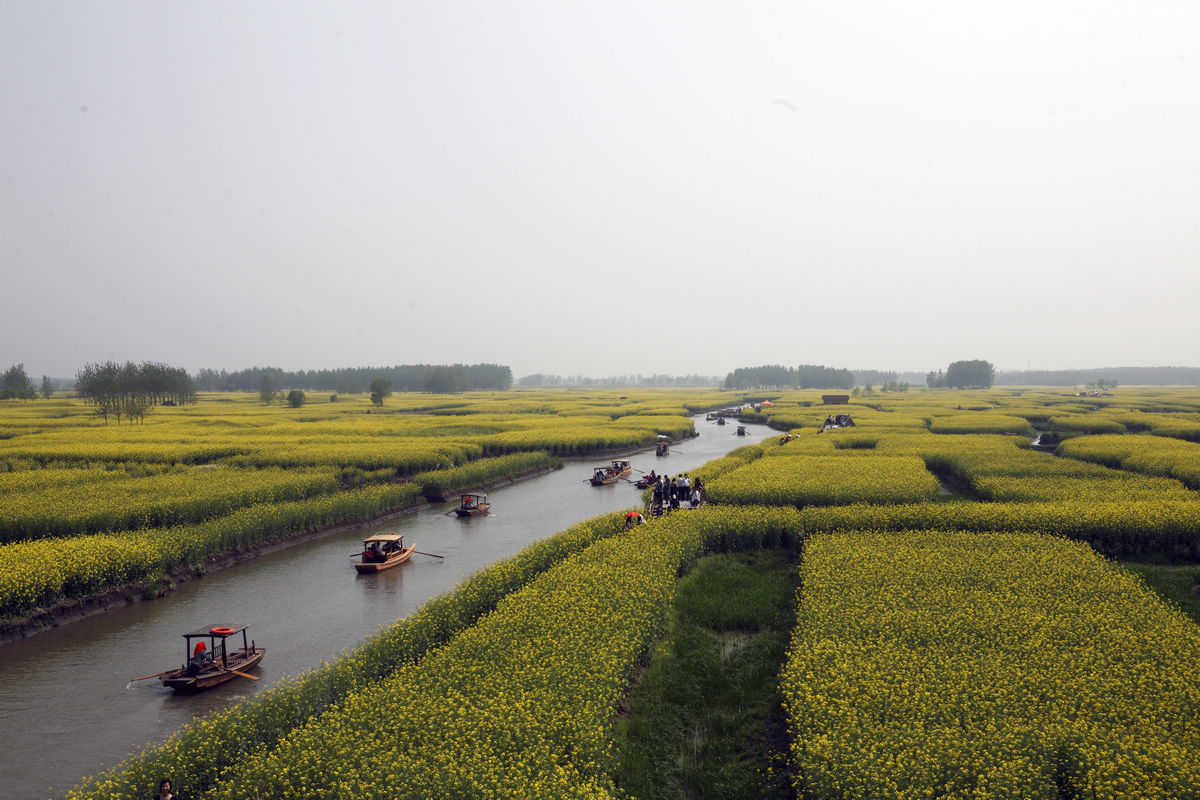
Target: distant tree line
[
  {"x": 1123, "y": 376},
  {"x": 872, "y": 377},
  {"x": 774, "y": 376},
  {"x": 129, "y": 391},
  {"x": 542, "y": 379},
  {"x": 356, "y": 380}
]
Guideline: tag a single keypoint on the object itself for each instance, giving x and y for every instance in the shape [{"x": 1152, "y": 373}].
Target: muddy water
[{"x": 68, "y": 708}]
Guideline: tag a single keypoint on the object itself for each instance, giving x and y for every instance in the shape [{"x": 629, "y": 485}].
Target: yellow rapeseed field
[
  {"x": 1012, "y": 665},
  {"x": 116, "y": 504},
  {"x": 957, "y": 635}
]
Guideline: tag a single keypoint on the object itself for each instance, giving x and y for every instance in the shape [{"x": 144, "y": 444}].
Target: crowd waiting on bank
[{"x": 670, "y": 493}]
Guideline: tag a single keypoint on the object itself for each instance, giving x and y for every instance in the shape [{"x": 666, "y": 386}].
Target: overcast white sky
[{"x": 599, "y": 188}]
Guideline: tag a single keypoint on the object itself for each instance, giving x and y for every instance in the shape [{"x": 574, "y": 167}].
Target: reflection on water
[{"x": 69, "y": 687}]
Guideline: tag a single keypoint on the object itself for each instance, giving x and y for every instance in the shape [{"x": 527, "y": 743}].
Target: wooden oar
[
  {"x": 243, "y": 674},
  {"x": 435, "y": 555},
  {"x": 145, "y": 677}
]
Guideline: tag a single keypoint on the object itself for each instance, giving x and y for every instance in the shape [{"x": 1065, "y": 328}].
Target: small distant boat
[
  {"x": 473, "y": 505},
  {"x": 720, "y": 420},
  {"x": 622, "y": 467},
  {"x": 603, "y": 476},
  {"x": 212, "y": 664},
  {"x": 741, "y": 430},
  {"x": 663, "y": 447},
  {"x": 383, "y": 551}
]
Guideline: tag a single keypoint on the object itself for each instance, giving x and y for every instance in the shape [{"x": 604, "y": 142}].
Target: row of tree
[
  {"x": 130, "y": 391},
  {"x": 355, "y": 380},
  {"x": 977, "y": 374},
  {"x": 543, "y": 379},
  {"x": 775, "y": 376},
  {"x": 871, "y": 377},
  {"x": 969, "y": 374},
  {"x": 1122, "y": 376},
  {"x": 960, "y": 374}
]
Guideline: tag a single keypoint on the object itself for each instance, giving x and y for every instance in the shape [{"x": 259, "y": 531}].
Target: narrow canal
[{"x": 66, "y": 700}]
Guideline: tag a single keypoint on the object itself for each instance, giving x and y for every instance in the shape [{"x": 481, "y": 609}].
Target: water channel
[{"x": 66, "y": 701}]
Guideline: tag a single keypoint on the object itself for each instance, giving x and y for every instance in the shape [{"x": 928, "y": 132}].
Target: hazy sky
[{"x": 599, "y": 188}]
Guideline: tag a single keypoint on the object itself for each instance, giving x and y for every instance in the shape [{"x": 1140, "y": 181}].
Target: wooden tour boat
[
  {"x": 741, "y": 430},
  {"x": 664, "y": 446},
  {"x": 383, "y": 551},
  {"x": 622, "y": 467},
  {"x": 210, "y": 664},
  {"x": 473, "y": 505},
  {"x": 603, "y": 476}
]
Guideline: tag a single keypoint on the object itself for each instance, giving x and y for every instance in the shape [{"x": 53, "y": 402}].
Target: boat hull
[
  {"x": 380, "y": 566},
  {"x": 183, "y": 682},
  {"x": 478, "y": 511}
]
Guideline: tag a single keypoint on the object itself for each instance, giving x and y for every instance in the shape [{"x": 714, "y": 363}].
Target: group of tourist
[
  {"x": 837, "y": 421},
  {"x": 670, "y": 493},
  {"x": 373, "y": 553}
]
